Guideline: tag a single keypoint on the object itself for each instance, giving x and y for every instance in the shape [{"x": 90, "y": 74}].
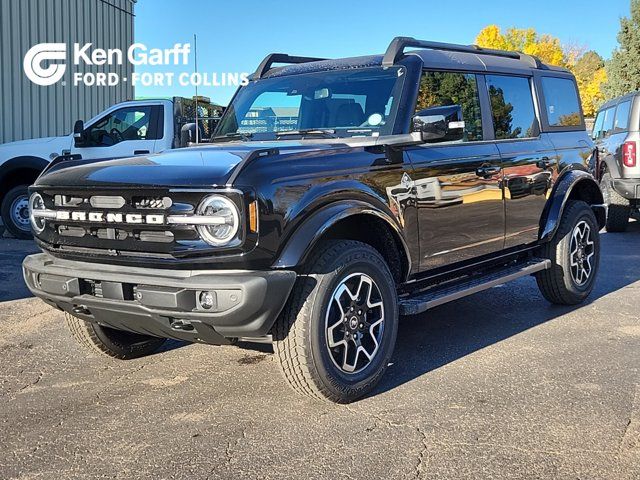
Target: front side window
[
  {"x": 597, "y": 126},
  {"x": 512, "y": 107},
  {"x": 562, "y": 103},
  {"x": 345, "y": 103},
  {"x": 441, "y": 89},
  {"x": 621, "y": 122},
  {"x": 129, "y": 123}
]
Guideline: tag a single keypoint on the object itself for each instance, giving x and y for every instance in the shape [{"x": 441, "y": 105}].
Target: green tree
[{"x": 623, "y": 70}]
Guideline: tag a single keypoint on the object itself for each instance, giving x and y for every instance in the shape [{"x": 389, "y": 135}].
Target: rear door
[
  {"x": 602, "y": 130},
  {"x": 456, "y": 185},
  {"x": 528, "y": 157}
]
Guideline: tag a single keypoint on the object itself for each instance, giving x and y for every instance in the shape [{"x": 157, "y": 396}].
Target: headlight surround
[
  {"x": 36, "y": 202},
  {"x": 221, "y": 207}
]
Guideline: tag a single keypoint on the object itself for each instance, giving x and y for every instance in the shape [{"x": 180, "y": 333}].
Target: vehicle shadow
[{"x": 452, "y": 331}]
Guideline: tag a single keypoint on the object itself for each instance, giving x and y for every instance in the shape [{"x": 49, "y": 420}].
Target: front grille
[{"x": 131, "y": 221}]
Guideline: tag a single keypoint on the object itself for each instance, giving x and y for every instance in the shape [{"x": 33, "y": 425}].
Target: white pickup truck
[{"x": 138, "y": 127}]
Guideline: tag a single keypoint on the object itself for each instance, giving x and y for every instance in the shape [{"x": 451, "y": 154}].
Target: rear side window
[
  {"x": 512, "y": 107},
  {"x": 562, "y": 103},
  {"x": 622, "y": 116}
]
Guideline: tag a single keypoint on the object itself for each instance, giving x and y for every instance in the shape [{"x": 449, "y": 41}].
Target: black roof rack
[
  {"x": 398, "y": 44},
  {"x": 272, "y": 58}
]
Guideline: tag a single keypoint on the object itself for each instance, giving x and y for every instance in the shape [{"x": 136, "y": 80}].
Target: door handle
[
  {"x": 140, "y": 152},
  {"x": 544, "y": 163},
  {"x": 486, "y": 171}
]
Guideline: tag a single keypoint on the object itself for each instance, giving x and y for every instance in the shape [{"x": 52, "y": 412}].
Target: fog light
[{"x": 207, "y": 300}]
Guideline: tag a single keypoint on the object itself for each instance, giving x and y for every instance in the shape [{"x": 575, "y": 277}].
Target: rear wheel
[
  {"x": 619, "y": 208},
  {"x": 335, "y": 337},
  {"x": 15, "y": 212},
  {"x": 575, "y": 256},
  {"x": 119, "y": 344}
]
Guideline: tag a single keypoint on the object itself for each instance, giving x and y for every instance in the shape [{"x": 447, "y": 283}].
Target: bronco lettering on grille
[{"x": 110, "y": 217}]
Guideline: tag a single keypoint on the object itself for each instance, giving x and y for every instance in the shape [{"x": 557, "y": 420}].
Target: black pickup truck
[{"x": 338, "y": 196}]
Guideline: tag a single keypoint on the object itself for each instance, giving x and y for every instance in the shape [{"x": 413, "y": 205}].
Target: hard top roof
[
  {"x": 614, "y": 101},
  {"x": 433, "y": 55}
]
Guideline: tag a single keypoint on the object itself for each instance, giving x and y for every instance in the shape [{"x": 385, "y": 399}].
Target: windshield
[{"x": 343, "y": 103}]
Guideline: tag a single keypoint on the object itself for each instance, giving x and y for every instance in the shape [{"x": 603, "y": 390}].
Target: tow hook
[
  {"x": 182, "y": 325},
  {"x": 81, "y": 310}
]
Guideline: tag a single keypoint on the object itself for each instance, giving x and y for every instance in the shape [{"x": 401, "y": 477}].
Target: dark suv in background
[
  {"x": 616, "y": 134},
  {"x": 340, "y": 194}
]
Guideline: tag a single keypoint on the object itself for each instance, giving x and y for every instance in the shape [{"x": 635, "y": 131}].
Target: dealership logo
[
  {"x": 34, "y": 63},
  {"x": 41, "y": 68}
]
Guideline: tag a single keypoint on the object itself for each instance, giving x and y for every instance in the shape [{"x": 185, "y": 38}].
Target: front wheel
[
  {"x": 336, "y": 335},
  {"x": 575, "y": 256},
  {"x": 15, "y": 212},
  {"x": 96, "y": 339}
]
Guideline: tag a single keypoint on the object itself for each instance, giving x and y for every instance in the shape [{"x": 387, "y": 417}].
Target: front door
[
  {"x": 456, "y": 185},
  {"x": 125, "y": 132}
]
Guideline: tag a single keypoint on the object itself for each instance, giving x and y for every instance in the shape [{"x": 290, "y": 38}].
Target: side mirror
[
  {"x": 79, "y": 134},
  {"x": 439, "y": 123}
]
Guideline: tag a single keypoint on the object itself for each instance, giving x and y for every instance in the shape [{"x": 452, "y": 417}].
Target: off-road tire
[
  {"x": 299, "y": 335},
  {"x": 556, "y": 284},
  {"x": 5, "y": 210},
  {"x": 98, "y": 340},
  {"x": 619, "y": 208}
]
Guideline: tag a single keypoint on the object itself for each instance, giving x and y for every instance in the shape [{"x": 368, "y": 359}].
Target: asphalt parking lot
[{"x": 498, "y": 385}]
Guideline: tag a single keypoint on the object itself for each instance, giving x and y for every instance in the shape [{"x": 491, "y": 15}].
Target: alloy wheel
[
  {"x": 582, "y": 250},
  {"x": 354, "y": 323}
]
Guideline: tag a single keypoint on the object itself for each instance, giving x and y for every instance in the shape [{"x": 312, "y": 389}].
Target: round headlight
[
  {"x": 227, "y": 218},
  {"x": 36, "y": 203}
]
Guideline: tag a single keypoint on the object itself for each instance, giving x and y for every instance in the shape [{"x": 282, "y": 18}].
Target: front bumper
[
  {"x": 163, "y": 303},
  {"x": 629, "y": 188}
]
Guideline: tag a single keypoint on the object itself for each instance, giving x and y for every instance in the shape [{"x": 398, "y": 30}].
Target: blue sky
[{"x": 235, "y": 36}]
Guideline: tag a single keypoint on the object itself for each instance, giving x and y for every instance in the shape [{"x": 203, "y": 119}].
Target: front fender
[
  {"x": 573, "y": 184},
  {"x": 309, "y": 233}
]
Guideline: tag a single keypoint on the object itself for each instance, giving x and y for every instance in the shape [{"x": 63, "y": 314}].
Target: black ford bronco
[{"x": 337, "y": 196}]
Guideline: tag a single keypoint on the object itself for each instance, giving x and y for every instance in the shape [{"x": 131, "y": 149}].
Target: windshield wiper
[
  {"x": 324, "y": 132},
  {"x": 233, "y": 136}
]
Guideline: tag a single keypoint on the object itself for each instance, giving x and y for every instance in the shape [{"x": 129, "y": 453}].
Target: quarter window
[
  {"x": 562, "y": 103},
  {"x": 622, "y": 116},
  {"x": 512, "y": 107},
  {"x": 440, "y": 89}
]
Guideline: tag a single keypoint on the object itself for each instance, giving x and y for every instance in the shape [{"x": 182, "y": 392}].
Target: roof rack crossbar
[
  {"x": 272, "y": 58},
  {"x": 398, "y": 44}
]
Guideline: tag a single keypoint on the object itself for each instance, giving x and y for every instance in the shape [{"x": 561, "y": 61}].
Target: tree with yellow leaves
[
  {"x": 588, "y": 67},
  {"x": 525, "y": 40}
]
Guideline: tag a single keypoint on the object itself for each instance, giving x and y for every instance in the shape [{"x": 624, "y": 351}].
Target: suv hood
[{"x": 202, "y": 166}]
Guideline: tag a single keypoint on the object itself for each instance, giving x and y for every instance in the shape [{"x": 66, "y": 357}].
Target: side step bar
[{"x": 435, "y": 296}]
